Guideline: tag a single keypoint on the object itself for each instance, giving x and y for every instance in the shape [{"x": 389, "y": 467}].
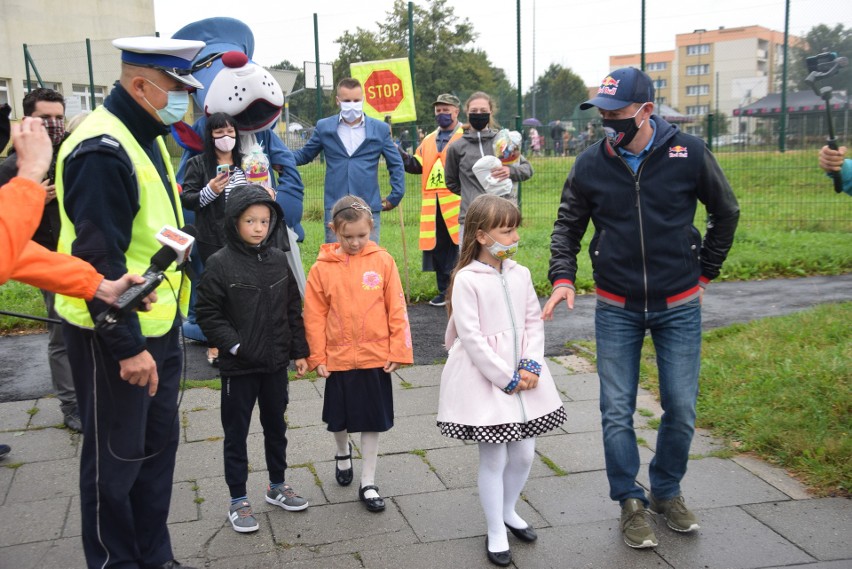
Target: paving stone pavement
[{"x": 752, "y": 515}]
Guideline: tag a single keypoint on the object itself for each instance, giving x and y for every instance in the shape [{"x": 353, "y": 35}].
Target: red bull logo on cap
[
  {"x": 609, "y": 86},
  {"x": 678, "y": 152}
]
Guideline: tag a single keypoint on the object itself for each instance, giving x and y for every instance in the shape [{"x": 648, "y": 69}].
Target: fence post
[
  {"x": 710, "y": 129},
  {"x": 28, "y": 61}
]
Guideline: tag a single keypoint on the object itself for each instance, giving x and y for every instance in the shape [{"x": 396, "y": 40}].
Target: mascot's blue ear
[
  {"x": 220, "y": 35},
  {"x": 186, "y": 137}
]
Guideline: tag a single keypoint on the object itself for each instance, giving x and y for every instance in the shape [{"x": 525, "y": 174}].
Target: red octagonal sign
[{"x": 383, "y": 91}]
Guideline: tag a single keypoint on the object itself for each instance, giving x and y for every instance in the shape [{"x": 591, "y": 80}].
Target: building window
[
  {"x": 699, "y": 49},
  {"x": 660, "y": 83},
  {"x": 695, "y": 110},
  {"x": 703, "y": 69},
  {"x": 4, "y": 92},
  {"x": 660, "y": 100},
  {"x": 47, "y": 85},
  {"x": 82, "y": 92},
  {"x": 695, "y": 90},
  {"x": 658, "y": 66}
]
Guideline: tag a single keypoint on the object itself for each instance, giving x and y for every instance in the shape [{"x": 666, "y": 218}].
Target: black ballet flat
[
  {"x": 373, "y": 504},
  {"x": 501, "y": 558},
  {"x": 526, "y": 534},
  {"x": 343, "y": 477}
]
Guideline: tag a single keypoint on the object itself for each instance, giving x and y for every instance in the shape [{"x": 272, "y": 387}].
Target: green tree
[
  {"x": 445, "y": 57},
  {"x": 819, "y": 39},
  {"x": 557, "y": 92}
]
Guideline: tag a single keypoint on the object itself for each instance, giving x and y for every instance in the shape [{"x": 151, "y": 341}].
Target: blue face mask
[
  {"x": 444, "y": 119},
  {"x": 175, "y": 108}
]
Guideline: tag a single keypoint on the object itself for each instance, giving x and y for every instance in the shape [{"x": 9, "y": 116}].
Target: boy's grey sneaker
[
  {"x": 678, "y": 516},
  {"x": 286, "y": 497},
  {"x": 635, "y": 526},
  {"x": 242, "y": 518}
]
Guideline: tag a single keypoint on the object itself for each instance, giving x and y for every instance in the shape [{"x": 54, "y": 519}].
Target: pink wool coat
[{"x": 496, "y": 322}]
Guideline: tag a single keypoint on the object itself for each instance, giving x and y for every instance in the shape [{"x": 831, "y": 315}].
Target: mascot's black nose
[{"x": 234, "y": 59}]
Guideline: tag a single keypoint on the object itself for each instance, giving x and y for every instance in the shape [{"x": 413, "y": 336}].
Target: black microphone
[{"x": 175, "y": 242}]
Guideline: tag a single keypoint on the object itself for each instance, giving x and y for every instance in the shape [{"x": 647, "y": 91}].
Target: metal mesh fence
[{"x": 728, "y": 72}]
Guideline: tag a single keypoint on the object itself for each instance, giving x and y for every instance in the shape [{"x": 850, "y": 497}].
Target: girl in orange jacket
[{"x": 356, "y": 324}]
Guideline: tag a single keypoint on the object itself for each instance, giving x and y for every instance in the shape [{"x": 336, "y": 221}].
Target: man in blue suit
[{"x": 353, "y": 143}]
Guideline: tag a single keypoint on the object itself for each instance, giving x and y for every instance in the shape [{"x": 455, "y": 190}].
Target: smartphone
[{"x": 223, "y": 169}]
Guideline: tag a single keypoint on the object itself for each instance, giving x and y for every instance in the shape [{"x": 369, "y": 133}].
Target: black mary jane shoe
[
  {"x": 344, "y": 477},
  {"x": 501, "y": 558},
  {"x": 526, "y": 534},
  {"x": 373, "y": 504}
]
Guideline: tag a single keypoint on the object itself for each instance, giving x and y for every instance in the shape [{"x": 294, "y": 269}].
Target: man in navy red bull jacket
[{"x": 640, "y": 187}]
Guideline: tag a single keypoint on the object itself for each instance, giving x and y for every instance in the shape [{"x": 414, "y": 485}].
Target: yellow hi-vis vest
[
  {"x": 155, "y": 210},
  {"x": 435, "y": 187}
]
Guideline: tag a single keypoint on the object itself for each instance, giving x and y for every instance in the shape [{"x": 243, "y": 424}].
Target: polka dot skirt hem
[{"x": 506, "y": 432}]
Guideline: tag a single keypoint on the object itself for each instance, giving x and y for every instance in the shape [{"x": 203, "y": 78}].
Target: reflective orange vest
[{"x": 434, "y": 187}]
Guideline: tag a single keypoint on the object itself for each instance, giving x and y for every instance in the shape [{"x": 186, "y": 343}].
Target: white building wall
[
  {"x": 55, "y": 33},
  {"x": 737, "y": 64}
]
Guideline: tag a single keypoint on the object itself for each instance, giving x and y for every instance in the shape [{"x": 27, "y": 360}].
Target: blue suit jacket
[{"x": 358, "y": 174}]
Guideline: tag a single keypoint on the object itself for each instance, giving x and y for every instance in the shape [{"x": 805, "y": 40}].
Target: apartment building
[{"x": 714, "y": 70}]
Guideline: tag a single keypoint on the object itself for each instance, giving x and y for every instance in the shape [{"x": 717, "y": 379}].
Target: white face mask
[
  {"x": 351, "y": 111},
  {"x": 500, "y": 251},
  {"x": 225, "y": 143}
]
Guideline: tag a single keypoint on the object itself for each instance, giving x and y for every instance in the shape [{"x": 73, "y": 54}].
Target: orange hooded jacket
[
  {"x": 355, "y": 313},
  {"x": 24, "y": 260}
]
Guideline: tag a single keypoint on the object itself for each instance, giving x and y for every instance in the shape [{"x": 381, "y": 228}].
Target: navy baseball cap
[{"x": 621, "y": 88}]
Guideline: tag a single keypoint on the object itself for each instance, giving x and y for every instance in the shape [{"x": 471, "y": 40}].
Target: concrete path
[{"x": 752, "y": 515}]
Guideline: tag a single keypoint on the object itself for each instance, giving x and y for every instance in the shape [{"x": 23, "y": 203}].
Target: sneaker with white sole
[
  {"x": 242, "y": 518},
  {"x": 285, "y": 497},
  {"x": 439, "y": 300},
  {"x": 678, "y": 516},
  {"x": 635, "y": 525}
]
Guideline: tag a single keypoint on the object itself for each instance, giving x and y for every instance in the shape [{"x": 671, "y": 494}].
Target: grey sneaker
[
  {"x": 635, "y": 526},
  {"x": 678, "y": 516},
  {"x": 286, "y": 497},
  {"x": 242, "y": 518}
]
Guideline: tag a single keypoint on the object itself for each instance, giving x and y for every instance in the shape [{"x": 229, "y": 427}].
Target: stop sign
[{"x": 383, "y": 91}]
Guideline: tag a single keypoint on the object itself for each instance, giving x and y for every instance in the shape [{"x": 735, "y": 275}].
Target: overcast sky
[{"x": 573, "y": 33}]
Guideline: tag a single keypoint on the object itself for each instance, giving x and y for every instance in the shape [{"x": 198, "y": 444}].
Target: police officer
[{"x": 116, "y": 189}]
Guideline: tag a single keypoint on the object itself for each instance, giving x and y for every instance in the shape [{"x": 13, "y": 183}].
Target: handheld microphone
[{"x": 177, "y": 244}]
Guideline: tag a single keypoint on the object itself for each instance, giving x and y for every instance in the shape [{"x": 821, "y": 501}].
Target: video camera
[{"x": 821, "y": 67}]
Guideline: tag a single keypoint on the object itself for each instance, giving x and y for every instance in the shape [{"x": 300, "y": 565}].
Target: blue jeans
[{"x": 619, "y": 334}]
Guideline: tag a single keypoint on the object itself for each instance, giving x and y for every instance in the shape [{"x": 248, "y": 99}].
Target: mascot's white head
[{"x": 233, "y": 83}]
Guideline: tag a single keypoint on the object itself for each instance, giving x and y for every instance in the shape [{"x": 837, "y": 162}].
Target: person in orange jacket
[
  {"x": 21, "y": 206},
  {"x": 356, "y": 323}
]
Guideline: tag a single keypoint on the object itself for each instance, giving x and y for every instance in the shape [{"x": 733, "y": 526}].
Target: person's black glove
[{"x": 5, "y": 127}]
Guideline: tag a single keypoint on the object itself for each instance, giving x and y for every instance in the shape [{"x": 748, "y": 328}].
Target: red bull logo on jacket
[
  {"x": 609, "y": 86},
  {"x": 678, "y": 152}
]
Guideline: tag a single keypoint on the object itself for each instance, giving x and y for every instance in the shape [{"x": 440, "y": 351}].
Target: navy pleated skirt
[{"x": 358, "y": 400}]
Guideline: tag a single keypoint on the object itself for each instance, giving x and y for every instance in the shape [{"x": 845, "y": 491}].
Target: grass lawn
[{"x": 782, "y": 388}]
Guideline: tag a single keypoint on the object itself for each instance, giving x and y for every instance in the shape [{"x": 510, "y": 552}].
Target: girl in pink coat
[{"x": 496, "y": 388}]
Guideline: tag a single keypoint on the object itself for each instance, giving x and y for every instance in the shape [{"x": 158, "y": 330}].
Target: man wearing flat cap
[
  {"x": 439, "y": 209},
  {"x": 116, "y": 190},
  {"x": 640, "y": 187}
]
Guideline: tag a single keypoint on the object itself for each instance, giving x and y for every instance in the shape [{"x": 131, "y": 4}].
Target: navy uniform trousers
[{"x": 129, "y": 444}]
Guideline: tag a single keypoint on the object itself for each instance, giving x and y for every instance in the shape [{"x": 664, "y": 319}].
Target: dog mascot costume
[{"x": 234, "y": 84}]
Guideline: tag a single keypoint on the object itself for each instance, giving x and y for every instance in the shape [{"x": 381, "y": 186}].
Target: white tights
[
  {"x": 503, "y": 471},
  {"x": 369, "y": 456}
]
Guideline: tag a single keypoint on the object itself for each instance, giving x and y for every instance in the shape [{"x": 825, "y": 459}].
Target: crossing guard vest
[
  {"x": 434, "y": 187},
  {"x": 155, "y": 210}
]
